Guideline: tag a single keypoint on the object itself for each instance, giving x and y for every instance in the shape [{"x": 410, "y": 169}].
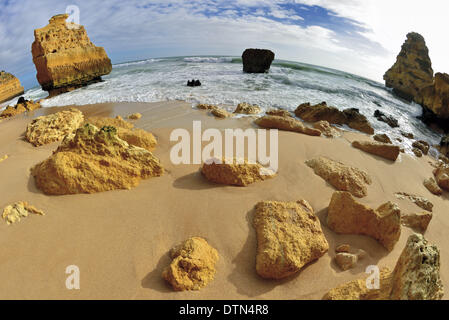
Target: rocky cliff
[
  {"x": 65, "y": 58},
  {"x": 412, "y": 70},
  {"x": 435, "y": 97},
  {"x": 10, "y": 86}
]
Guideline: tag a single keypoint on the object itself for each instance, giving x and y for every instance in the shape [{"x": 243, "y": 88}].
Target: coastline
[{"x": 120, "y": 239}]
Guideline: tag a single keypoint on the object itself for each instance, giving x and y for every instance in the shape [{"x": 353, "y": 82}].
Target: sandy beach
[{"x": 120, "y": 239}]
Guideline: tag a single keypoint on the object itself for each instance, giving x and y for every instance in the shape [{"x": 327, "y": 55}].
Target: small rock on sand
[
  {"x": 4, "y": 158},
  {"x": 221, "y": 113},
  {"x": 135, "y": 116},
  {"x": 433, "y": 187},
  {"x": 383, "y": 138},
  {"x": 383, "y": 150},
  {"x": 193, "y": 265},
  {"x": 441, "y": 174},
  {"x": 289, "y": 236},
  {"x": 287, "y": 124},
  {"x": 418, "y": 221},
  {"x": 13, "y": 213}
]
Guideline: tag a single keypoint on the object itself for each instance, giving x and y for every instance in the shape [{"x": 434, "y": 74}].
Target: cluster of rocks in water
[{"x": 193, "y": 83}]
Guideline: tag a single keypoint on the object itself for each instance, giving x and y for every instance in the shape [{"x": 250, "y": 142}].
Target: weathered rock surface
[
  {"x": 417, "y": 152},
  {"x": 441, "y": 174},
  {"x": 415, "y": 277},
  {"x": 235, "y": 172},
  {"x": 383, "y": 150},
  {"x": 383, "y": 138},
  {"x": 421, "y": 202},
  {"x": 432, "y": 186},
  {"x": 95, "y": 160},
  {"x": 286, "y": 124},
  {"x": 193, "y": 265},
  {"x": 257, "y": 60},
  {"x": 279, "y": 112},
  {"x": 326, "y": 129},
  {"x": 412, "y": 70},
  {"x": 54, "y": 127},
  {"x": 65, "y": 58},
  {"x": 10, "y": 86},
  {"x": 350, "y": 117},
  {"x": 435, "y": 97},
  {"x": 135, "y": 116},
  {"x": 407, "y": 135},
  {"x": 205, "y": 106},
  {"x": 347, "y": 216},
  {"x": 392, "y": 122},
  {"x": 346, "y": 261},
  {"x": 221, "y": 113},
  {"x": 417, "y": 272},
  {"x": 15, "y": 212},
  {"x": 423, "y": 146},
  {"x": 341, "y": 176},
  {"x": 418, "y": 221},
  {"x": 289, "y": 236},
  {"x": 246, "y": 108},
  {"x": 127, "y": 132},
  {"x": 19, "y": 108}
]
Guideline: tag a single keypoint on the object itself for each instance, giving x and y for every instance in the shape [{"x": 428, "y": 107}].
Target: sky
[{"x": 362, "y": 37}]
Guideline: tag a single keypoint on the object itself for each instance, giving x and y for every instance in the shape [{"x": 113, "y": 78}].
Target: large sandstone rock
[
  {"x": 15, "y": 212},
  {"x": 286, "y": 124},
  {"x": 127, "y": 132},
  {"x": 340, "y": 176},
  {"x": 54, "y": 127},
  {"x": 412, "y": 70},
  {"x": 415, "y": 277},
  {"x": 10, "y": 86},
  {"x": 235, "y": 172},
  {"x": 21, "y": 107},
  {"x": 95, "y": 160},
  {"x": 435, "y": 97},
  {"x": 347, "y": 216},
  {"x": 289, "y": 236},
  {"x": 193, "y": 265},
  {"x": 257, "y": 60},
  {"x": 383, "y": 150},
  {"x": 65, "y": 58},
  {"x": 350, "y": 117}
]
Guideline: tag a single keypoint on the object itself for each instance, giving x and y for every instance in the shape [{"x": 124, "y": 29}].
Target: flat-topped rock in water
[
  {"x": 418, "y": 221},
  {"x": 235, "y": 172},
  {"x": 10, "y": 86},
  {"x": 95, "y": 160},
  {"x": 289, "y": 236},
  {"x": 246, "y": 108},
  {"x": 286, "y": 124},
  {"x": 257, "y": 60},
  {"x": 412, "y": 70},
  {"x": 384, "y": 150},
  {"x": 347, "y": 216},
  {"x": 433, "y": 187},
  {"x": 340, "y": 176},
  {"x": 65, "y": 58},
  {"x": 22, "y": 106},
  {"x": 15, "y": 212},
  {"x": 127, "y": 132},
  {"x": 435, "y": 97},
  {"x": 193, "y": 265},
  {"x": 351, "y": 117},
  {"x": 54, "y": 127}
]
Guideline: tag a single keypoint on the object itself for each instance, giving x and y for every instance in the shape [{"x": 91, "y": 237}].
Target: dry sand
[{"x": 120, "y": 239}]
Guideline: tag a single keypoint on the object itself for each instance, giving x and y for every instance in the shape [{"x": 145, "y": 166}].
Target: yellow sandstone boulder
[
  {"x": 19, "y": 108},
  {"x": 10, "y": 86},
  {"x": 246, "y": 108}
]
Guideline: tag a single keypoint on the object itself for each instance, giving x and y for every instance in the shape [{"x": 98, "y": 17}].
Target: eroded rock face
[
  {"x": 441, "y": 174},
  {"x": 95, "y": 160},
  {"x": 383, "y": 150},
  {"x": 435, "y": 97},
  {"x": 235, "y": 172},
  {"x": 347, "y": 216},
  {"x": 433, "y": 187},
  {"x": 54, "y": 127},
  {"x": 10, "y": 86},
  {"x": 15, "y": 212},
  {"x": 412, "y": 70},
  {"x": 193, "y": 265},
  {"x": 257, "y": 60},
  {"x": 350, "y": 117},
  {"x": 246, "y": 108},
  {"x": 340, "y": 176},
  {"x": 65, "y": 58},
  {"x": 423, "y": 146},
  {"x": 289, "y": 236},
  {"x": 418, "y": 221},
  {"x": 417, "y": 272},
  {"x": 19, "y": 108},
  {"x": 127, "y": 132},
  {"x": 286, "y": 124},
  {"x": 326, "y": 129}
]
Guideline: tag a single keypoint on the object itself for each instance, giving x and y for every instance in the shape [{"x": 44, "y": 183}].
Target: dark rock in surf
[
  {"x": 257, "y": 60},
  {"x": 392, "y": 122}
]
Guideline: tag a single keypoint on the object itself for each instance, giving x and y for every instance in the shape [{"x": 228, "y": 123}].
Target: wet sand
[{"x": 120, "y": 239}]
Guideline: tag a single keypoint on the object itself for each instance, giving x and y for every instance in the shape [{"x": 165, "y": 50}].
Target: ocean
[{"x": 287, "y": 85}]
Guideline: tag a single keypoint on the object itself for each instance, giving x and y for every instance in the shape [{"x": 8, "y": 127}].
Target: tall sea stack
[
  {"x": 65, "y": 58},
  {"x": 10, "y": 86},
  {"x": 412, "y": 70},
  {"x": 257, "y": 60}
]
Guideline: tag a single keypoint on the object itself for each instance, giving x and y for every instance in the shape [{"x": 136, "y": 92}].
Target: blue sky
[{"x": 358, "y": 36}]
